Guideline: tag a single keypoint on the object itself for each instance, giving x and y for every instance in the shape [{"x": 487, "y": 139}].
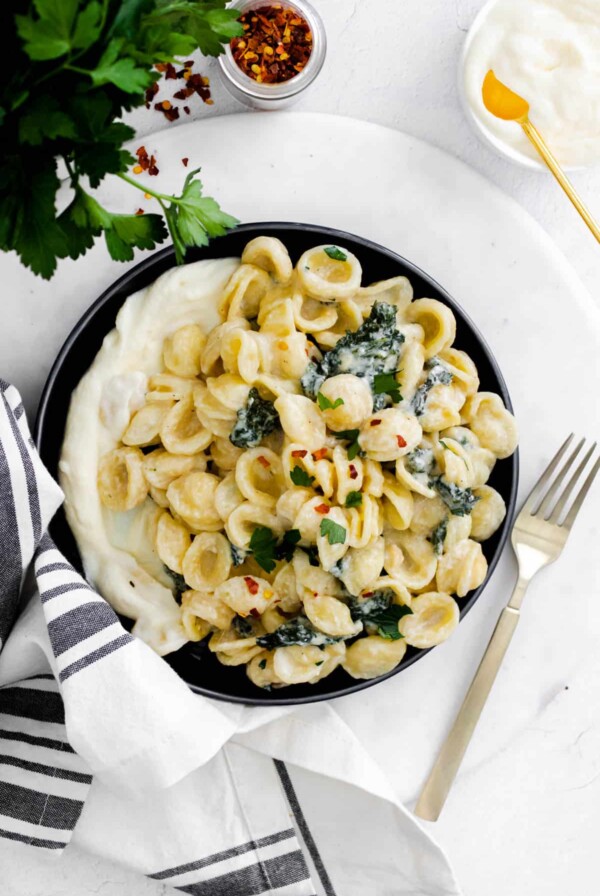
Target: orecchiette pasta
[{"x": 315, "y": 466}]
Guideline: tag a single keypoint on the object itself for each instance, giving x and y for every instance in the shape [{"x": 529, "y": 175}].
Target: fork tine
[
  {"x": 560, "y": 478},
  {"x": 538, "y": 488},
  {"x": 576, "y": 507},
  {"x": 562, "y": 501}
]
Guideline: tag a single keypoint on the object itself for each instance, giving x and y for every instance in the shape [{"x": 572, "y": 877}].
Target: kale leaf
[
  {"x": 459, "y": 501},
  {"x": 438, "y": 536},
  {"x": 179, "y": 583},
  {"x": 379, "y": 613},
  {"x": 420, "y": 460},
  {"x": 438, "y": 373},
  {"x": 257, "y": 419},
  {"x": 296, "y": 631},
  {"x": 371, "y": 350},
  {"x": 243, "y": 627},
  {"x": 238, "y": 555}
]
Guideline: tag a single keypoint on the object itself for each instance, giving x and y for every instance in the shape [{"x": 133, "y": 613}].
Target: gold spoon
[{"x": 508, "y": 105}]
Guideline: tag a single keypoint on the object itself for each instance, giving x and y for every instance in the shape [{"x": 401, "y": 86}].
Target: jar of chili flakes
[{"x": 279, "y": 55}]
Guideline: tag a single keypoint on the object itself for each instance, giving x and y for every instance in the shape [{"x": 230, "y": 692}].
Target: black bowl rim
[{"x": 120, "y": 285}]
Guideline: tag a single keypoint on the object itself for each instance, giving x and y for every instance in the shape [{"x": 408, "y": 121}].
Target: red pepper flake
[
  {"x": 189, "y": 63},
  {"x": 301, "y": 452},
  {"x": 254, "y": 612},
  {"x": 401, "y": 441},
  {"x": 184, "y": 162},
  {"x": 251, "y": 585},
  {"x": 368, "y": 593},
  {"x": 145, "y": 162},
  {"x": 319, "y": 454},
  {"x": 353, "y": 472},
  {"x": 263, "y": 461},
  {"x": 322, "y": 508},
  {"x": 315, "y": 593},
  {"x": 375, "y": 422},
  {"x": 139, "y": 211},
  {"x": 276, "y": 45},
  {"x": 186, "y": 109},
  {"x": 150, "y": 93},
  {"x": 170, "y": 112}
]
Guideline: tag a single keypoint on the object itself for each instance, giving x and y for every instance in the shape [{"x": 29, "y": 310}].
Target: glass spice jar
[{"x": 248, "y": 88}]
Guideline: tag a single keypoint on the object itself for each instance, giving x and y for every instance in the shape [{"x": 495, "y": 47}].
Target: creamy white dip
[
  {"x": 548, "y": 51},
  {"x": 116, "y": 548}
]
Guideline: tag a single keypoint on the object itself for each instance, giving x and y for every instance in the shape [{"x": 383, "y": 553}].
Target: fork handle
[{"x": 439, "y": 782}]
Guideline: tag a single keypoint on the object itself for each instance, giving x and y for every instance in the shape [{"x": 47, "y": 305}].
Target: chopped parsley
[
  {"x": 296, "y": 631},
  {"x": 372, "y": 349},
  {"x": 257, "y": 419},
  {"x": 353, "y": 499},
  {"x": 301, "y": 477},
  {"x": 334, "y": 533},
  {"x": 266, "y": 549},
  {"x": 325, "y": 404},
  {"x": 335, "y": 253},
  {"x": 352, "y": 436},
  {"x": 438, "y": 536},
  {"x": 459, "y": 501},
  {"x": 387, "y": 384},
  {"x": 379, "y": 613},
  {"x": 262, "y": 545}
]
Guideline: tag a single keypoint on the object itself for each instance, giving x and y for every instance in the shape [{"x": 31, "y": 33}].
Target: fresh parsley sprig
[{"x": 75, "y": 67}]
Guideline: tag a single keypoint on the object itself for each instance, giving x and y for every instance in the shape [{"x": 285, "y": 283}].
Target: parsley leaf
[
  {"x": 352, "y": 436},
  {"x": 386, "y": 383},
  {"x": 335, "y": 253},
  {"x": 123, "y": 72},
  {"x": 353, "y": 499},
  {"x": 334, "y": 533},
  {"x": 285, "y": 550},
  {"x": 325, "y": 404},
  {"x": 44, "y": 119},
  {"x": 192, "y": 218},
  {"x": 262, "y": 545},
  {"x": 301, "y": 477}
]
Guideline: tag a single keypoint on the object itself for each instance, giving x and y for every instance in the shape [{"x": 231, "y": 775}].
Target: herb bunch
[{"x": 73, "y": 68}]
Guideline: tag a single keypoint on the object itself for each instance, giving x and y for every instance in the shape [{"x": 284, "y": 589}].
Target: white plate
[{"x": 509, "y": 276}]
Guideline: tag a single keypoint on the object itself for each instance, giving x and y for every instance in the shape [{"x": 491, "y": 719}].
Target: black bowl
[{"x": 199, "y": 668}]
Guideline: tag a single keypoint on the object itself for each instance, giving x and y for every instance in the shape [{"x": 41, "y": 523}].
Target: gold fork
[{"x": 538, "y": 537}]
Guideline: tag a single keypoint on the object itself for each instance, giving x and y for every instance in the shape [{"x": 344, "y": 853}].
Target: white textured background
[{"x": 394, "y": 62}]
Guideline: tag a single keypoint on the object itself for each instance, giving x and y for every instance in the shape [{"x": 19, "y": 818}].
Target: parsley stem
[{"x": 145, "y": 189}]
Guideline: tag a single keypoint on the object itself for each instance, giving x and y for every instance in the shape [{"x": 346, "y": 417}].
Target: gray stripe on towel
[
  {"x": 224, "y": 855},
  {"x": 95, "y": 655},
  {"x": 254, "y": 879}
]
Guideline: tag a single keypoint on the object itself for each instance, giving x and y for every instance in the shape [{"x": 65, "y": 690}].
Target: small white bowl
[{"x": 487, "y": 136}]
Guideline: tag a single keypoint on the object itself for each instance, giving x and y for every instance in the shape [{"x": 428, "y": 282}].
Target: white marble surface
[{"x": 537, "y": 807}]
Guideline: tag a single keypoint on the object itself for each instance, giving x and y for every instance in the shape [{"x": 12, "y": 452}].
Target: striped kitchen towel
[{"x": 212, "y": 799}]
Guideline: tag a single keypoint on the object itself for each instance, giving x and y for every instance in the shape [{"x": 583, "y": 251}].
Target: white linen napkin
[{"x": 184, "y": 789}]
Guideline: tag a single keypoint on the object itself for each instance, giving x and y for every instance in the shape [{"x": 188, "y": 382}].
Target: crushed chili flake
[
  {"x": 184, "y": 162},
  {"x": 322, "y": 508},
  {"x": 276, "y": 45},
  {"x": 145, "y": 162},
  {"x": 186, "y": 109},
  {"x": 301, "y": 452},
  {"x": 150, "y": 93},
  {"x": 368, "y": 593},
  {"x": 319, "y": 454},
  {"x": 375, "y": 422},
  {"x": 251, "y": 585},
  {"x": 401, "y": 441},
  {"x": 353, "y": 472},
  {"x": 263, "y": 461},
  {"x": 139, "y": 211},
  {"x": 170, "y": 112},
  {"x": 254, "y": 612}
]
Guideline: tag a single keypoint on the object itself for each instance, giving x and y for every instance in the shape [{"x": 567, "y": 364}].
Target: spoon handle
[{"x": 543, "y": 149}]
